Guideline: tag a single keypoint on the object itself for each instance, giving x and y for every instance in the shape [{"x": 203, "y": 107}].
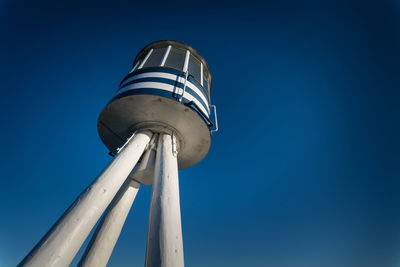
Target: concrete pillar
[
  {"x": 101, "y": 245},
  {"x": 164, "y": 240},
  {"x": 59, "y": 246}
]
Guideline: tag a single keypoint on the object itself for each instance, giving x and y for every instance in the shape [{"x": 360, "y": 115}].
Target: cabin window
[
  {"x": 176, "y": 59},
  {"x": 206, "y": 83},
  {"x": 194, "y": 68},
  {"x": 155, "y": 58}
]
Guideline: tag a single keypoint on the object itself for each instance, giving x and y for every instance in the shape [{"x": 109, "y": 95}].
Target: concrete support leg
[
  {"x": 104, "y": 239},
  {"x": 59, "y": 246},
  {"x": 164, "y": 240}
]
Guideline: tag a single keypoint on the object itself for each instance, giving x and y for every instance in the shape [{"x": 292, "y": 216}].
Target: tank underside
[{"x": 124, "y": 115}]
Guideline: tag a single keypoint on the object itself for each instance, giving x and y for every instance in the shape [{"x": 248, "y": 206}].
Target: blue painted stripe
[
  {"x": 167, "y": 70},
  {"x": 152, "y": 69},
  {"x": 160, "y": 92},
  {"x": 170, "y": 82},
  {"x": 174, "y": 95}
]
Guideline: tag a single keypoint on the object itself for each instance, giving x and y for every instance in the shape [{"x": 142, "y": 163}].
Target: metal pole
[
  {"x": 101, "y": 245},
  {"x": 164, "y": 239},
  {"x": 59, "y": 246}
]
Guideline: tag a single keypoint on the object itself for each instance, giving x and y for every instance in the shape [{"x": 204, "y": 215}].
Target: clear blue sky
[{"x": 304, "y": 171}]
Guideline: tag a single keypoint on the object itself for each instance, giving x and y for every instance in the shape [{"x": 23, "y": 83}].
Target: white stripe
[
  {"x": 166, "y": 87},
  {"x": 171, "y": 77}
]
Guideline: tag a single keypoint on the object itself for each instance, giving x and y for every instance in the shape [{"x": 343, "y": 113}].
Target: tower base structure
[
  {"x": 164, "y": 239},
  {"x": 101, "y": 245},
  {"x": 60, "y": 245},
  {"x": 128, "y": 113},
  {"x": 113, "y": 193},
  {"x": 167, "y": 95}
]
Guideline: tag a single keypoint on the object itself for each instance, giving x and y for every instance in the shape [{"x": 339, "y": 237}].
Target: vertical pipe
[
  {"x": 101, "y": 245},
  {"x": 59, "y": 246},
  {"x": 186, "y": 62},
  {"x": 165, "y": 56},
  {"x": 164, "y": 239},
  {"x": 201, "y": 74},
  {"x": 134, "y": 68},
  {"x": 145, "y": 59}
]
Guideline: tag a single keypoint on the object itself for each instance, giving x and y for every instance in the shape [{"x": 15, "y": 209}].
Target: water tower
[{"x": 157, "y": 122}]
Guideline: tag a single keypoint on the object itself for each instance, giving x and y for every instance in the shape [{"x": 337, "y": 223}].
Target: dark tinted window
[
  {"x": 194, "y": 68},
  {"x": 155, "y": 58},
  {"x": 176, "y": 58},
  {"x": 139, "y": 61},
  {"x": 206, "y": 81}
]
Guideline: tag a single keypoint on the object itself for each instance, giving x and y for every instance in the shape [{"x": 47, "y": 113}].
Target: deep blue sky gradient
[{"x": 304, "y": 171}]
